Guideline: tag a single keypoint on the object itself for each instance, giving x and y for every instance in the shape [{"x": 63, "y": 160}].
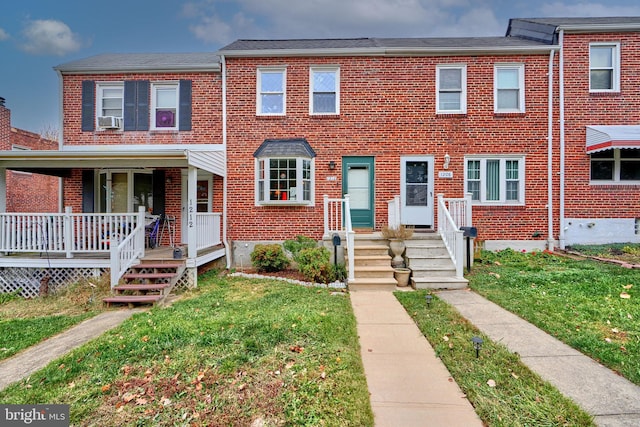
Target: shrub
[
  {"x": 314, "y": 264},
  {"x": 269, "y": 258},
  {"x": 300, "y": 243}
]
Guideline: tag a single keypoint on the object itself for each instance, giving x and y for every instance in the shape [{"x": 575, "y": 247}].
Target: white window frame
[
  {"x": 521, "y": 89},
  {"x": 617, "y": 158},
  {"x": 502, "y": 200},
  {"x": 264, "y": 199},
  {"x": 615, "y": 66},
  {"x": 100, "y": 88},
  {"x": 324, "y": 69},
  {"x": 462, "y": 91},
  {"x": 260, "y": 92},
  {"x": 154, "y": 98}
]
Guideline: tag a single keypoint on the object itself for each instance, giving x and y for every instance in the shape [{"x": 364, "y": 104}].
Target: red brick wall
[
  {"x": 583, "y": 109},
  {"x": 206, "y": 118},
  {"x": 387, "y": 109},
  {"x": 27, "y": 192}
]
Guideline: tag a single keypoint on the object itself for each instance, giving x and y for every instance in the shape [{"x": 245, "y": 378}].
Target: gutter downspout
[
  {"x": 227, "y": 248},
  {"x": 562, "y": 142},
  {"x": 550, "y": 239},
  {"x": 60, "y": 137}
]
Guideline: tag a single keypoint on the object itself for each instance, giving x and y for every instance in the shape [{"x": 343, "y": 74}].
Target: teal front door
[{"x": 357, "y": 182}]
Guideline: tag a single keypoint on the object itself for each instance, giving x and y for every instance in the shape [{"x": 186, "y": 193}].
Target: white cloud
[
  {"x": 49, "y": 37},
  {"x": 220, "y": 21},
  {"x": 588, "y": 9},
  {"x": 3, "y": 35}
]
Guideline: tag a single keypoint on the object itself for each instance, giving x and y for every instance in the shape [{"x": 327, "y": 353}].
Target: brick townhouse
[{"x": 537, "y": 131}]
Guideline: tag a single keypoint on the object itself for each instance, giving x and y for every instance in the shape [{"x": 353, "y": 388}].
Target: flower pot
[
  {"x": 397, "y": 248},
  {"x": 402, "y": 276}
]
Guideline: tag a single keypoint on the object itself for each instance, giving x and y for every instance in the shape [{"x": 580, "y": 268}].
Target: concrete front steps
[
  {"x": 372, "y": 264},
  {"x": 147, "y": 283},
  {"x": 430, "y": 263}
]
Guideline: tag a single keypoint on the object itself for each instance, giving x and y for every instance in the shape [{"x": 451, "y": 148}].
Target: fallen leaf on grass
[
  {"x": 296, "y": 349},
  {"x": 625, "y": 295},
  {"x": 496, "y": 275},
  {"x": 106, "y": 388},
  {"x": 608, "y": 340},
  {"x": 513, "y": 374},
  {"x": 145, "y": 338},
  {"x": 141, "y": 401},
  {"x": 445, "y": 338},
  {"x": 491, "y": 383},
  {"x": 629, "y": 286}
]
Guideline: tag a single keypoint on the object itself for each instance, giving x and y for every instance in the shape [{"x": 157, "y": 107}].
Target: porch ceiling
[{"x": 210, "y": 158}]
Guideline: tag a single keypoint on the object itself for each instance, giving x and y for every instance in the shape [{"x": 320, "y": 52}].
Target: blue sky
[{"x": 36, "y": 35}]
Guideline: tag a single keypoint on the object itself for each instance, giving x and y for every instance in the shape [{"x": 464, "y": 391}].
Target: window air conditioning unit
[{"x": 110, "y": 122}]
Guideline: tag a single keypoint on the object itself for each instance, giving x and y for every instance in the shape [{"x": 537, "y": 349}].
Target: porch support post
[
  {"x": 3, "y": 189},
  {"x": 192, "y": 230},
  {"x": 68, "y": 231}
]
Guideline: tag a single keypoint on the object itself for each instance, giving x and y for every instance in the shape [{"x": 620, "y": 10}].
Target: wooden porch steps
[{"x": 147, "y": 283}]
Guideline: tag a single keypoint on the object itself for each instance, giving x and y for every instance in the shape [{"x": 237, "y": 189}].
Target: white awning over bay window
[{"x": 600, "y": 138}]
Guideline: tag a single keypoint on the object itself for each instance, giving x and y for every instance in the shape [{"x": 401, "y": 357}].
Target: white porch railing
[
  {"x": 208, "y": 226},
  {"x": 128, "y": 251},
  {"x": 393, "y": 212},
  {"x": 337, "y": 219},
  {"x": 453, "y": 214}
]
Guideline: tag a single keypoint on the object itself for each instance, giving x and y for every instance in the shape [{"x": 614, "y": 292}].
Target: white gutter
[
  {"x": 227, "y": 248},
  {"x": 561, "y": 237},
  {"x": 550, "y": 239}
]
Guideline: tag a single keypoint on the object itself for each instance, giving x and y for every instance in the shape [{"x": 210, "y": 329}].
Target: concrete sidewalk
[
  {"x": 611, "y": 399},
  {"x": 408, "y": 384},
  {"x": 38, "y": 356}
]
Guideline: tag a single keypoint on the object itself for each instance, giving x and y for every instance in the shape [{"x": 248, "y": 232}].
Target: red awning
[{"x": 600, "y": 138}]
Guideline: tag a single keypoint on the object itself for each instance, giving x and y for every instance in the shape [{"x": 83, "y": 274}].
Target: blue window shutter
[
  {"x": 88, "y": 105},
  {"x": 129, "y": 105},
  {"x": 142, "y": 105},
  {"x": 185, "y": 105}
]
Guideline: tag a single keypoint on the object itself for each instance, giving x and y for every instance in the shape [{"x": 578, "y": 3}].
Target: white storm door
[{"x": 416, "y": 190}]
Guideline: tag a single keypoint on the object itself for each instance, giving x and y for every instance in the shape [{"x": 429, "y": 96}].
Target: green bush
[
  {"x": 315, "y": 265},
  {"x": 301, "y": 242},
  {"x": 269, "y": 258}
]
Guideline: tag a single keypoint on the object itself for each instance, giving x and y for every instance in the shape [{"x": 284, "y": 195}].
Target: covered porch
[{"x": 105, "y": 225}]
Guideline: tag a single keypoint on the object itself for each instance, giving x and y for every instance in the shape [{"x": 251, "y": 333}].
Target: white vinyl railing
[
  {"x": 124, "y": 254},
  {"x": 393, "y": 212},
  {"x": 453, "y": 214},
  {"x": 337, "y": 219},
  {"x": 208, "y": 226}
]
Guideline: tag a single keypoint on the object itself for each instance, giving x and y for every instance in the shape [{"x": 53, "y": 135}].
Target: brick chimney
[{"x": 5, "y": 126}]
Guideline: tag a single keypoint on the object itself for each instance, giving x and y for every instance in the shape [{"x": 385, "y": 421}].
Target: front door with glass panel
[
  {"x": 416, "y": 191},
  {"x": 357, "y": 182},
  {"x": 125, "y": 191}
]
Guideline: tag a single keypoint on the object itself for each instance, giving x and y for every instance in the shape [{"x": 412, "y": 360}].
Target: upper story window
[
  {"x": 616, "y": 165},
  {"x": 509, "y": 88},
  {"x": 324, "y": 90},
  {"x": 164, "y": 106},
  {"x": 271, "y": 99},
  {"x": 604, "y": 67},
  {"x": 136, "y": 105},
  {"x": 495, "y": 180},
  {"x": 451, "y": 95}
]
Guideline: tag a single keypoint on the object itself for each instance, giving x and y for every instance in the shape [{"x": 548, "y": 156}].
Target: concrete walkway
[
  {"x": 611, "y": 399},
  {"x": 408, "y": 384},
  {"x": 38, "y": 356}
]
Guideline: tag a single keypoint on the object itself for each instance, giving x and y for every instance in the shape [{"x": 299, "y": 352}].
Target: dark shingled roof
[
  {"x": 119, "y": 62},
  {"x": 295, "y": 147},
  {"x": 560, "y": 22},
  {"x": 377, "y": 44}
]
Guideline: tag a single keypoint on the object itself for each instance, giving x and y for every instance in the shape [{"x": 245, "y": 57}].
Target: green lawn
[
  {"x": 592, "y": 306},
  {"x": 231, "y": 352}
]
